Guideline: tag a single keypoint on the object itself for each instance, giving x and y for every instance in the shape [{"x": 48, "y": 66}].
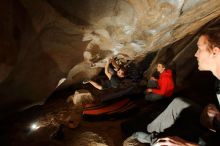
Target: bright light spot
[{"x": 34, "y": 126}]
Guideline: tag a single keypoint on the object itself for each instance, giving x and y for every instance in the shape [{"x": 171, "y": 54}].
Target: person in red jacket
[{"x": 162, "y": 87}]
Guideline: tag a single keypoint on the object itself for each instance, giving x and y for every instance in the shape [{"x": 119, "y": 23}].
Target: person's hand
[
  {"x": 111, "y": 59},
  {"x": 149, "y": 90},
  {"x": 207, "y": 116},
  {"x": 173, "y": 141},
  {"x": 153, "y": 78}
]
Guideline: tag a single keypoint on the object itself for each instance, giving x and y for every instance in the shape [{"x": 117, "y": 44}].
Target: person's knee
[
  {"x": 180, "y": 103},
  {"x": 153, "y": 97},
  {"x": 178, "y": 100}
]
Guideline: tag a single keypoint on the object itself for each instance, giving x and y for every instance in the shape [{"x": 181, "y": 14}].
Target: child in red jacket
[{"x": 165, "y": 84}]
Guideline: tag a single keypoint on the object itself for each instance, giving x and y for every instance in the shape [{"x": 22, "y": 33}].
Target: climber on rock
[{"x": 114, "y": 76}]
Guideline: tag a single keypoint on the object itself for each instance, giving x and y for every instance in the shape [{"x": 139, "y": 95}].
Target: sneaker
[{"x": 145, "y": 137}]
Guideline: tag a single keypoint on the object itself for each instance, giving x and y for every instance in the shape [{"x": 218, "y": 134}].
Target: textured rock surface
[{"x": 44, "y": 41}]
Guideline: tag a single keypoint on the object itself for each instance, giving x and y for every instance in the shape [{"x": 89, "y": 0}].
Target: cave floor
[
  {"x": 50, "y": 117},
  {"x": 55, "y": 114}
]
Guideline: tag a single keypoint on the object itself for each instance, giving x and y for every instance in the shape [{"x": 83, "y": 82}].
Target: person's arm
[
  {"x": 173, "y": 141},
  {"x": 162, "y": 87},
  {"x": 96, "y": 85},
  {"x": 107, "y": 72},
  {"x": 115, "y": 65}
]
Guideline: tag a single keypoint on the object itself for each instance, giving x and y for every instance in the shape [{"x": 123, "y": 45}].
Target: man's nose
[{"x": 196, "y": 54}]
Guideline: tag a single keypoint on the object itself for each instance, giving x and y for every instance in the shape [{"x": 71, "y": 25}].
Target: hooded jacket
[{"x": 165, "y": 84}]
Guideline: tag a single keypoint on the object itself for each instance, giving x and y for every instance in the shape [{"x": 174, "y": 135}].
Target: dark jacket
[{"x": 216, "y": 122}]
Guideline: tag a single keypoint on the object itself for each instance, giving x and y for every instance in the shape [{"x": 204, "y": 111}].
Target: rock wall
[{"x": 43, "y": 41}]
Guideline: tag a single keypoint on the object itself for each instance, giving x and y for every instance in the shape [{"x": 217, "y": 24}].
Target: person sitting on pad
[{"x": 159, "y": 88}]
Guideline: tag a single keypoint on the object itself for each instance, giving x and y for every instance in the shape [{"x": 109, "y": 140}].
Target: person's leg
[
  {"x": 187, "y": 124},
  {"x": 152, "y": 84},
  {"x": 111, "y": 70},
  {"x": 164, "y": 121},
  {"x": 96, "y": 85},
  {"x": 153, "y": 97},
  {"x": 168, "y": 117}
]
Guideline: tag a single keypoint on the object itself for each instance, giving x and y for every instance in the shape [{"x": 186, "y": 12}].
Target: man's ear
[{"x": 216, "y": 50}]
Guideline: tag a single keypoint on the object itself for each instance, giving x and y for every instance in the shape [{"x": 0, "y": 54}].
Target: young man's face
[
  {"x": 120, "y": 73},
  {"x": 160, "y": 68},
  {"x": 203, "y": 55}
]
